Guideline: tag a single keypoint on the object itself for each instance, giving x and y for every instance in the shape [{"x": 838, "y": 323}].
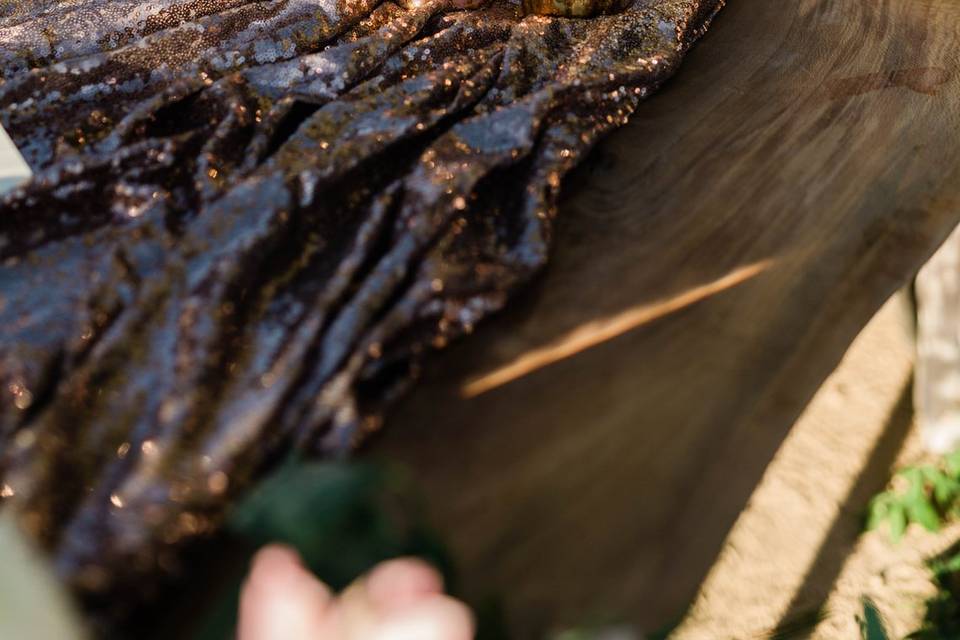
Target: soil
[{"x": 799, "y": 546}]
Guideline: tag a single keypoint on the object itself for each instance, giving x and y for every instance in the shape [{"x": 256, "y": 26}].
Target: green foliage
[
  {"x": 871, "y": 623},
  {"x": 342, "y": 518},
  {"x": 942, "y": 618},
  {"x": 926, "y": 495}
]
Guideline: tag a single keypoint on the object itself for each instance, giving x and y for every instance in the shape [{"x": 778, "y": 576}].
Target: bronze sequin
[{"x": 248, "y": 222}]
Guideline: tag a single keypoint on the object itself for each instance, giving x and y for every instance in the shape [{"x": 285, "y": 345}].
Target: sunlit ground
[{"x": 798, "y": 544}]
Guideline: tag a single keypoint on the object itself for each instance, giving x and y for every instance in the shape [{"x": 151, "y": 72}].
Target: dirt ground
[{"x": 799, "y": 543}]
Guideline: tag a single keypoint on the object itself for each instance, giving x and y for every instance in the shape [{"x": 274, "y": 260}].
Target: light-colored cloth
[
  {"x": 32, "y": 603},
  {"x": 13, "y": 170}
]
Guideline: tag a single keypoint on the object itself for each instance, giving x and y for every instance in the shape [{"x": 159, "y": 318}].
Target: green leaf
[
  {"x": 946, "y": 565},
  {"x": 944, "y": 490},
  {"x": 923, "y": 513},
  {"x": 897, "y": 520},
  {"x": 917, "y": 481},
  {"x": 952, "y": 463},
  {"x": 871, "y": 624},
  {"x": 342, "y": 518},
  {"x": 878, "y": 510}
]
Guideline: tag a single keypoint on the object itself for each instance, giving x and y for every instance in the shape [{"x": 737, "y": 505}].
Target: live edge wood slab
[{"x": 586, "y": 451}]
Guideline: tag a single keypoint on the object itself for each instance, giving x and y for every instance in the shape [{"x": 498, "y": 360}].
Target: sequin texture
[{"x": 251, "y": 220}]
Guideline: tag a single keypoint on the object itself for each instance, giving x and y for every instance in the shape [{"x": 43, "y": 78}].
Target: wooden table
[{"x": 587, "y": 451}]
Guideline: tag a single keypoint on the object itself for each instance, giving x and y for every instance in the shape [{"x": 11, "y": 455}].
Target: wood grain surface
[{"x": 587, "y": 451}]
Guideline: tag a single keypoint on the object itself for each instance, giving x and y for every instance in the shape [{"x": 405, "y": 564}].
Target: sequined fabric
[{"x": 248, "y": 223}]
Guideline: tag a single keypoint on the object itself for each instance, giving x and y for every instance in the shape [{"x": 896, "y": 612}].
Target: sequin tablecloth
[{"x": 250, "y": 220}]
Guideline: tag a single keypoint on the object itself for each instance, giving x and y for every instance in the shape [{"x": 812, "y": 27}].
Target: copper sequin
[{"x": 249, "y": 221}]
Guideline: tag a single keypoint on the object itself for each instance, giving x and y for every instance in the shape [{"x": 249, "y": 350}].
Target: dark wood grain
[{"x": 587, "y": 451}]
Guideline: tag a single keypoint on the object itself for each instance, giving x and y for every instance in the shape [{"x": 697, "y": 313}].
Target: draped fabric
[{"x": 249, "y": 222}]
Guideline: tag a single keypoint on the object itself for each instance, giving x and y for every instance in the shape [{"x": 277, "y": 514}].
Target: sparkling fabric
[{"x": 248, "y": 223}]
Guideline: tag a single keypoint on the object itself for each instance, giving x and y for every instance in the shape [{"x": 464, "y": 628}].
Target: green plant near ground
[
  {"x": 342, "y": 518},
  {"x": 927, "y": 495},
  {"x": 942, "y": 618},
  {"x": 871, "y": 622}
]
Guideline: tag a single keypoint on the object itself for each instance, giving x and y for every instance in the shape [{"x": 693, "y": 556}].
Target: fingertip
[
  {"x": 398, "y": 583},
  {"x": 281, "y": 598},
  {"x": 272, "y": 557}
]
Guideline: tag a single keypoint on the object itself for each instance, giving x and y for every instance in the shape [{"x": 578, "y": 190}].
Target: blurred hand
[{"x": 398, "y": 600}]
